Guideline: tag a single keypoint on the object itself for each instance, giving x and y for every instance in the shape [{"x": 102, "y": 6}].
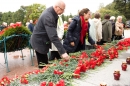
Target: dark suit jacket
[
  {"x": 45, "y": 32},
  {"x": 31, "y": 26}
]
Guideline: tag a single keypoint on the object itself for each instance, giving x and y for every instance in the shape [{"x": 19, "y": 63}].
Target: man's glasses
[{"x": 60, "y": 8}]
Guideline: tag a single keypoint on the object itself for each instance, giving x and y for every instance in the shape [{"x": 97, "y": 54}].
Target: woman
[
  {"x": 77, "y": 31},
  {"x": 98, "y": 27},
  {"x": 92, "y": 33},
  {"x": 119, "y": 28}
]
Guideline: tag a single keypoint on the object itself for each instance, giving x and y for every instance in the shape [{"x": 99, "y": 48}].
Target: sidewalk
[{"x": 17, "y": 66}]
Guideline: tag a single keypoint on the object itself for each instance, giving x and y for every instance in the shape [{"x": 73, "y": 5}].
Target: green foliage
[
  {"x": 18, "y": 16},
  {"x": 33, "y": 12},
  {"x": 123, "y": 6},
  {"x": 63, "y": 17},
  {"x": 109, "y": 9},
  {"x": 105, "y": 11},
  {"x": 26, "y": 13},
  {"x": 14, "y": 43},
  {"x": 0, "y": 16},
  {"x": 17, "y": 30},
  {"x": 66, "y": 17},
  {"x": 7, "y": 17},
  {"x": 23, "y": 14},
  {"x": 65, "y": 31},
  {"x": 15, "y": 38}
]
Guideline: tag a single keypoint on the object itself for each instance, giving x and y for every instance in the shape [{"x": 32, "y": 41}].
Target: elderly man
[
  {"x": 4, "y": 25},
  {"x": 112, "y": 19},
  {"x": 45, "y": 32},
  {"x": 31, "y": 26}
]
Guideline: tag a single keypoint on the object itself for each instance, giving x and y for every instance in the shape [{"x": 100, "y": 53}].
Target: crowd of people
[
  {"x": 30, "y": 25},
  {"x": 47, "y": 34}
]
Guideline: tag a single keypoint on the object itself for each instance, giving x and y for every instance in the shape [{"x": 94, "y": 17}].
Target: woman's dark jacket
[{"x": 73, "y": 35}]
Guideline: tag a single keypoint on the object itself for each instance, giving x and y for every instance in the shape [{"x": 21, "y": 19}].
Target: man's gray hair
[{"x": 112, "y": 18}]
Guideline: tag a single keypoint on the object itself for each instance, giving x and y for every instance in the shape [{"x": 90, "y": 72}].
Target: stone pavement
[
  {"x": 17, "y": 66},
  {"x": 104, "y": 73}
]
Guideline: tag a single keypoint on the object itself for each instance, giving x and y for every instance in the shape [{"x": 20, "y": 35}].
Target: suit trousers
[
  {"x": 54, "y": 54},
  {"x": 41, "y": 59}
]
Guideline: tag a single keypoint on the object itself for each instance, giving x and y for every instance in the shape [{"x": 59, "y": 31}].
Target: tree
[
  {"x": 7, "y": 17},
  {"x": 66, "y": 17},
  {"x": 110, "y": 9},
  {"x": 63, "y": 17},
  {"x": 24, "y": 14},
  {"x": 32, "y": 12},
  {"x": 0, "y": 17},
  {"x": 18, "y": 16},
  {"x": 123, "y": 7},
  {"x": 70, "y": 16},
  {"x": 115, "y": 13}
]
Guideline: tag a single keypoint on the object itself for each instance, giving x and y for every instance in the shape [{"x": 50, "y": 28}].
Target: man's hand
[
  {"x": 95, "y": 45},
  {"x": 65, "y": 56},
  {"x": 72, "y": 44}
]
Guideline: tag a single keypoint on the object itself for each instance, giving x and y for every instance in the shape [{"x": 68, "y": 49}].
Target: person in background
[
  {"x": 60, "y": 33},
  {"x": 112, "y": 19},
  {"x": 35, "y": 21},
  {"x": 45, "y": 33},
  {"x": 65, "y": 28},
  {"x": 119, "y": 28},
  {"x": 27, "y": 23},
  {"x": 92, "y": 33},
  {"x": 98, "y": 27},
  {"x": 69, "y": 21},
  {"x": 31, "y": 26},
  {"x": 77, "y": 31},
  {"x": 106, "y": 30},
  {"x": 123, "y": 30},
  {"x": 4, "y": 25},
  {"x": 65, "y": 25}
]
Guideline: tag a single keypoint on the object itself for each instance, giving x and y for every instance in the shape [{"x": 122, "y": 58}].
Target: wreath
[{"x": 14, "y": 37}]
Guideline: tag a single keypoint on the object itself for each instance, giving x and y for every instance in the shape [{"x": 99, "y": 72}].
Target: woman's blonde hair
[{"x": 119, "y": 17}]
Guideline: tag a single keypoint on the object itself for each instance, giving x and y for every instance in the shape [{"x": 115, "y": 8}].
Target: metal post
[
  {"x": 6, "y": 60},
  {"x": 22, "y": 55}
]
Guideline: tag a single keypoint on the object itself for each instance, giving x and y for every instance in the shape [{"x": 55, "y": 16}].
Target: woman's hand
[
  {"x": 99, "y": 40},
  {"x": 72, "y": 44}
]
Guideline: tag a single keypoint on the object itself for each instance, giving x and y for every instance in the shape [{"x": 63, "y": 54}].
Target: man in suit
[
  {"x": 60, "y": 32},
  {"x": 45, "y": 32}
]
